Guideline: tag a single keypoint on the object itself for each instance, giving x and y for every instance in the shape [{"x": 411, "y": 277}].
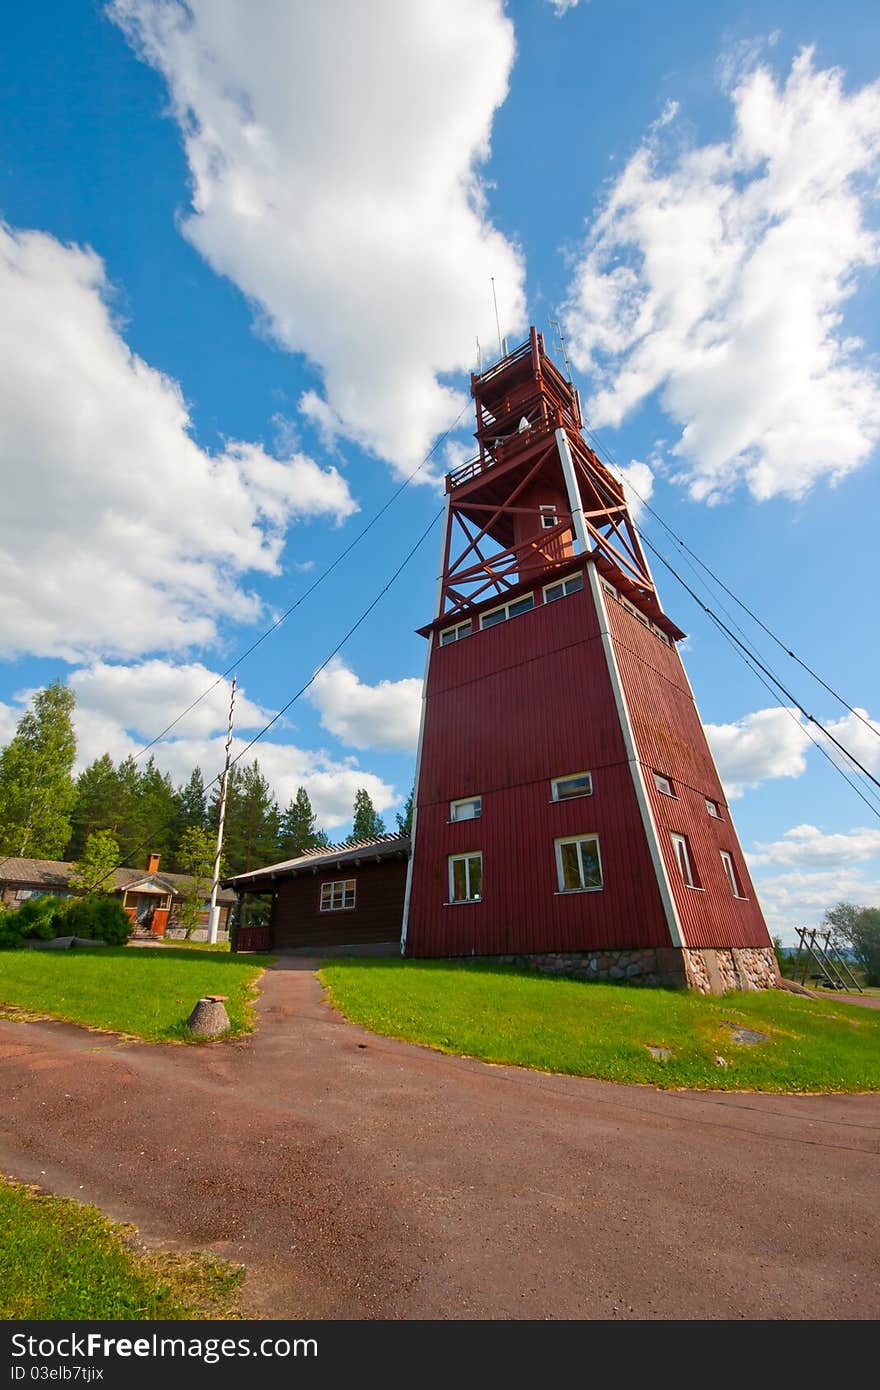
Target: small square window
[
  {"x": 575, "y": 784},
  {"x": 548, "y": 518},
  {"x": 469, "y": 808},
  {"x": 337, "y": 896},
  {"x": 713, "y": 808},
  {"x": 465, "y": 878},
  {"x": 663, "y": 784},
  {"x": 578, "y": 865},
  {"x": 685, "y": 864},
  {"x": 522, "y": 605}
]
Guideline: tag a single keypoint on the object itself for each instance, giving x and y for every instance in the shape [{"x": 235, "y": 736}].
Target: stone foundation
[{"x": 708, "y": 971}]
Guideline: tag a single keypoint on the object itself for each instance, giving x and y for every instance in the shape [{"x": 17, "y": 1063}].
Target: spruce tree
[
  {"x": 37, "y": 791},
  {"x": 404, "y": 817},
  {"x": 96, "y": 804},
  {"x": 298, "y": 829},
  {"x": 366, "y": 823},
  {"x": 94, "y": 872},
  {"x": 252, "y": 819}
]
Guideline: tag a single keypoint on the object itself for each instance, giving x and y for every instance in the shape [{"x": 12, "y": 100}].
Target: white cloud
[
  {"x": 638, "y": 484},
  {"x": 807, "y": 844},
  {"x": 862, "y": 742},
  {"x": 334, "y": 153},
  {"x": 120, "y": 535},
  {"x": 146, "y": 697},
  {"x": 717, "y": 277},
  {"x": 768, "y": 743},
  {"x": 800, "y": 899},
  {"x": 562, "y": 7},
  {"x": 9, "y": 718},
  {"x": 383, "y": 716}
]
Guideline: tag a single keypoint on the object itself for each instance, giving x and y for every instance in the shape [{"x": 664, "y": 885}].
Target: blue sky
[{"x": 246, "y": 257}]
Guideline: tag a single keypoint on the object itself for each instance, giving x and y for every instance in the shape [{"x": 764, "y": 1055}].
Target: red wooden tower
[{"x": 567, "y": 803}]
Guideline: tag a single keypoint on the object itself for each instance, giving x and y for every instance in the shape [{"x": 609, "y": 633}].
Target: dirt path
[{"x": 361, "y": 1177}]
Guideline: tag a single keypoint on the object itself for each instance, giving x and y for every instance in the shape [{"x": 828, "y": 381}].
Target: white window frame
[
  {"x": 465, "y": 859},
  {"x": 448, "y": 635},
  {"x": 549, "y": 513},
  {"x": 560, "y": 872},
  {"x": 576, "y": 579},
  {"x": 730, "y": 870},
  {"x": 713, "y": 808},
  {"x": 463, "y": 801},
  {"x": 331, "y": 905},
  {"x": 669, "y": 789},
  {"x": 684, "y": 860},
  {"x": 555, "y": 783},
  {"x": 504, "y": 608}
]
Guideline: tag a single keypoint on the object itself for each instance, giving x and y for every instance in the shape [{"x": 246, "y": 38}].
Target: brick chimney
[{"x": 153, "y": 864}]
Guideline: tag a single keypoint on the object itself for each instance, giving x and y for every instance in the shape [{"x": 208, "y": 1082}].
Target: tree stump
[{"x": 209, "y": 1017}]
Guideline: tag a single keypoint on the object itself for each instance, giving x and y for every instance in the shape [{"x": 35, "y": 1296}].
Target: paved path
[{"x": 361, "y": 1177}]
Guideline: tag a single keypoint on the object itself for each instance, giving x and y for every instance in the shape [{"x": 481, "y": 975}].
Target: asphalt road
[{"x": 360, "y": 1177}]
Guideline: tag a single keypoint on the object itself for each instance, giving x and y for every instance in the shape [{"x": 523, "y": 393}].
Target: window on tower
[
  {"x": 549, "y": 518},
  {"x": 575, "y": 784},
  {"x": 563, "y": 587},
  {"x": 468, "y": 808},
  {"x": 455, "y": 634},
  {"x": 685, "y": 862},
  {"x": 730, "y": 870},
  {"x": 663, "y": 784},
  {"x": 578, "y": 864},
  {"x": 507, "y": 610},
  {"x": 713, "y": 808},
  {"x": 465, "y": 878}
]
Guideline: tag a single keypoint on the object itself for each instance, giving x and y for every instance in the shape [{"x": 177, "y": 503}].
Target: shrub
[{"x": 97, "y": 918}]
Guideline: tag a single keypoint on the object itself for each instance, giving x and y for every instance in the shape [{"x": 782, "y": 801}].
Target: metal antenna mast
[
  {"x": 497, "y": 319},
  {"x": 213, "y": 916},
  {"x": 554, "y": 323}
]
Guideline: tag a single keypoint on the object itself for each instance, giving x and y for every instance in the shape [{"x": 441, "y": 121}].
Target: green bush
[
  {"x": 99, "y": 918},
  {"x": 41, "y": 919}
]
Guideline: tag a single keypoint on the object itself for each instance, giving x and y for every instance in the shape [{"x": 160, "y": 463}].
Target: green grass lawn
[
  {"x": 147, "y": 992},
  {"x": 61, "y": 1260},
  {"x": 500, "y": 1014}
]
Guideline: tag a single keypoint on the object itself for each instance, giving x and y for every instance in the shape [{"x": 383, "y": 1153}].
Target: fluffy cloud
[
  {"x": 806, "y": 844},
  {"x": 561, "y": 7},
  {"x": 768, "y": 743},
  {"x": 862, "y": 742},
  {"x": 120, "y": 534},
  {"x": 717, "y": 277},
  {"x": 368, "y": 716},
  {"x": 799, "y": 899},
  {"x": 638, "y": 484},
  {"x": 334, "y": 153},
  {"x": 119, "y": 707}
]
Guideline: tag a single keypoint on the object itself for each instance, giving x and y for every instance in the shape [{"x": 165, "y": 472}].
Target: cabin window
[
  {"x": 713, "y": 808},
  {"x": 548, "y": 517},
  {"x": 455, "y": 634},
  {"x": 578, "y": 865},
  {"x": 730, "y": 870},
  {"x": 338, "y": 896},
  {"x": 465, "y": 878},
  {"x": 575, "y": 784},
  {"x": 563, "y": 587},
  {"x": 507, "y": 610},
  {"x": 683, "y": 855},
  {"x": 663, "y": 784},
  {"x": 469, "y": 808}
]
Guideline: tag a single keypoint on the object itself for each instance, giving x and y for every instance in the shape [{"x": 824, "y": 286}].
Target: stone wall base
[{"x": 707, "y": 970}]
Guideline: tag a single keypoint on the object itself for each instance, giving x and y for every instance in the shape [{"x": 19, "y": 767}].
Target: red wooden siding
[
  {"x": 376, "y": 916},
  {"x": 509, "y": 709},
  {"x": 670, "y": 739}
]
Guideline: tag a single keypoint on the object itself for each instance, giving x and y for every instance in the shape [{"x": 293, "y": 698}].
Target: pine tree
[
  {"x": 366, "y": 824},
  {"x": 404, "y": 817},
  {"x": 37, "y": 791},
  {"x": 96, "y": 804},
  {"x": 192, "y": 802},
  {"x": 155, "y": 814},
  {"x": 298, "y": 829},
  {"x": 252, "y": 819},
  {"x": 127, "y": 825}
]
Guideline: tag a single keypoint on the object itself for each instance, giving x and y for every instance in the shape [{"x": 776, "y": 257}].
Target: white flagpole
[{"x": 214, "y": 915}]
